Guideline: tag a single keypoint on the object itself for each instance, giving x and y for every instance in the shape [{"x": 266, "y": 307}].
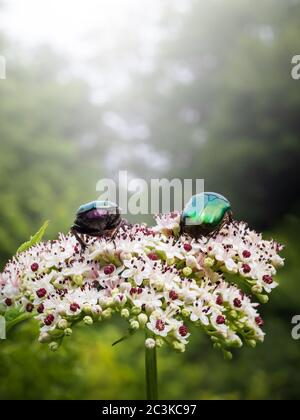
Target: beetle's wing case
[
  {"x": 205, "y": 209},
  {"x": 193, "y": 209},
  {"x": 105, "y": 205},
  {"x": 86, "y": 207},
  {"x": 215, "y": 209}
]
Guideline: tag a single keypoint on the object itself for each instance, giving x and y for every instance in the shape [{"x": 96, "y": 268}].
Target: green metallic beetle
[{"x": 205, "y": 214}]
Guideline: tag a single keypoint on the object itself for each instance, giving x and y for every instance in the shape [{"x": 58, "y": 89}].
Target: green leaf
[
  {"x": 12, "y": 314},
  {"x": 35, "y": 239},
  {"x": 15, "y": 316}
]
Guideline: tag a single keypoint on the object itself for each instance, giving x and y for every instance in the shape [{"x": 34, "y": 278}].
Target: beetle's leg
[
  {"x": 231, "y": 220},
  {"x": 79, "y": 239},
  {"x": 115, "y": 232}
]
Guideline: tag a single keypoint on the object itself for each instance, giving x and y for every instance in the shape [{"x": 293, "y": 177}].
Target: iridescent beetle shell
[
  {"x": 204, "y": 214},
  {"x": 97, "y": 218}
]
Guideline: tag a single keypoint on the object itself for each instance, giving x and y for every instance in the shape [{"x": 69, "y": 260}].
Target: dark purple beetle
[{"x": 98, "y": 218}]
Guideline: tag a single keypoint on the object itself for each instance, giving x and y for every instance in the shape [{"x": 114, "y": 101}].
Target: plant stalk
[{"x": 151, "y": 373}]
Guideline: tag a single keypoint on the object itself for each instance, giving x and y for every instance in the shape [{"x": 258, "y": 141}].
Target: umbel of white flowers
[{"x": 157, "y": 280}]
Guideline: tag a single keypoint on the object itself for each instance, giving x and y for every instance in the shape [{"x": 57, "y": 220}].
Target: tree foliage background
[{"x": 218, "y": 103}]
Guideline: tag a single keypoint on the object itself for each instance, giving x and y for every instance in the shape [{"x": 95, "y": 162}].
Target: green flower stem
[{"x": 151, "y": 373}]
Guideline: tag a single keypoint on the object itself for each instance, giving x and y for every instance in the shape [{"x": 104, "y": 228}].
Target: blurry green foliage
[{"x": 44, "y": 170}]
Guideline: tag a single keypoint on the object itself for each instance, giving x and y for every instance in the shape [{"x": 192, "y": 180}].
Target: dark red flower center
[
  {"x": 160, "y": 325},
  {"x": 259, "y": 321},
  {"x": 237, "y": 303},
  {"x": 173, "y": 295},
  {"x": 41, "y": 293},
  {"x": 152, "y": 256},
  {"x": 49, "y": 319},
  {"x": 133, "y": 290},
  {"x": 246, "y": 268},
  {"x": 96, "y": 284},
  {"x": 187, "y": 247},
  {"x": 109, "y": 269},
  {"x": 40, "y": 308},
  {"x": 8, "y": 302},
  {"x": 74, "y": 307},
  {"x": 34, "y": 267},
  {"x": 29, "y": 307},
  {"x": 219, "y": 300},
  {"x": 246, "y": 254},
  {"x": 268, "y": 279},
  {"x": 221, "y": 320},
  {"x": 183, "y": 330}
]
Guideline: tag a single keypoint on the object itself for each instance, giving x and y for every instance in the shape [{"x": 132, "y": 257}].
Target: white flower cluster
[{"x": 158, "y": 281}]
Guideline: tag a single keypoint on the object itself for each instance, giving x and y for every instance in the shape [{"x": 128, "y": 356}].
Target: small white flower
[
  {"x": 77, "y": 269},
  {"x": 158, "y": 324},
  {"x": 147, "y": 297},
  {"x": 200, "y": 312},
  {"x": 137, "y": 269}
]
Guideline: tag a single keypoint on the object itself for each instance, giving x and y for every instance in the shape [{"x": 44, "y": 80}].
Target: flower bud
[
  {"x": 256, "y": 289},
  {"x": 263, "y": 299},
  {"x": 235, "y": 343},
  {"x": 158, "y": 284},
  {"x": 233, "y": 314},
  {"x": 107, "y": 313},
  {"x": 126, "y": 256},
  {"x": 120, "y": 300},
  {"x": 150, "y": 343},
  {"x": 185, "y": 312},
  {"x": 106, "y": 301},
  {"x": 53, "y": 346},
  {"x": 88, "y": 320},
  {"x": 159, "y": 342},
  {"x": 125, "y": 313},
  {"x": 87, "y": 309},
  {"x": 62, "y": 324},
  {"x": 44, "y": 338},
  {"x": 180, "y": 347},
  {"x": 136, "y": 310},
  {"x": 134, "y": 325},
  {"x": 251, "y": 343},
  {"x": 227, "y": 355},
  {"x": 114, "y": 291},
  {"x": 149, "y": 308},
  {"x": 96, "y": 310},
  {"x": 68, "y": 332},
  {"x": 78, "y": 280},
  {"x": 125, "y": 287},
  {"x": 209, "y": 262},
  {"x": 171, "y": 261},
  {"x": 109, "y": 301},
  {"x": 187, "y": 271},
  {"x": 143, "y": 319},
  {"x": 191, "y": 261}
]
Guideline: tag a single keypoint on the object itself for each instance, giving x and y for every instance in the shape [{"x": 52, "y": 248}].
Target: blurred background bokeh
[{"x": 175, "y": 89}]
